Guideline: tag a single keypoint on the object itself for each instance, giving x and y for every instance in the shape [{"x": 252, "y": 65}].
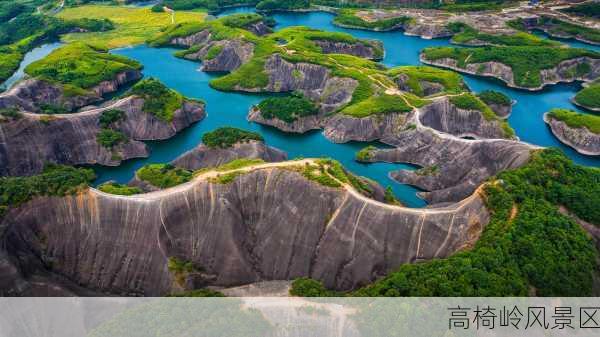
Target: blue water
[
  {"x": 33, "y": 55},
  {"x": 230, "y": 109}
]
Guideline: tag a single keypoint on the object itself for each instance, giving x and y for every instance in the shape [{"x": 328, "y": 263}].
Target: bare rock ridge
[
  {"x": 270, "y": 223},
  {"x": 443, "y": 116},
  {"x": 202, "y": 156},
  {"x": 314, "y": 81},
  {"x": 581, "y": 139},
  {"x": 29, "y": 142},
  {"x": 372, "y": 50},
  {"x": 31, "y": 94},
  {"x": 451, "y": 167},
  {"x": 565, "y": 71}
]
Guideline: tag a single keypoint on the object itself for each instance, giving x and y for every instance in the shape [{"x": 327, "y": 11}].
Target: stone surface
[
  {"x": 26, "y": 144},
  {"x": 269, "y": 224},
  {"x": 581, "y": 139},
  {"x": 359, "y": 49}
]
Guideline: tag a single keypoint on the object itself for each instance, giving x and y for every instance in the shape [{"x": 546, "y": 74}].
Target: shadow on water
[{"x": 230, "y": 109}]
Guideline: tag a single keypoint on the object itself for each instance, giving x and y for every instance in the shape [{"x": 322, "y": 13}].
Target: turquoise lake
[{"x": 230, "y": 109}]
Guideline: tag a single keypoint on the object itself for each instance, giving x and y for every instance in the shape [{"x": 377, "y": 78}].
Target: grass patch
[
  {"x": 237, "y": 164},
  {"x": 119, "y": 189},
  {"x": 159, "y": 100},
  {"x": 466, "y": 34},
  {"x": 132, "y": 25},
  {"x": 562, "y": 28},
  {"x": 589, "y": 96},
  {"x": 576, "y": 120},
  {"x": 225, "y": 137},
  {"x": 468, "y": 101},
  {"x": 526, "y": 62},
  {"x": 381, "y": 104},
  {"x": 287, "y": 109},
  {"x": 348, "y": 18},
  {"x": 7, "y": 114},
  {"x": 452, "y": 82},
  {"x": 213, "y": 52},
  {"x": 163, "y": 175},
  {"x": 80, "y": 66},
  {"x": 494, "y": 97}
]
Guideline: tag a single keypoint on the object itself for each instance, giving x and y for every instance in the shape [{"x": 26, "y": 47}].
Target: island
[{"x": 577, "y": 130}]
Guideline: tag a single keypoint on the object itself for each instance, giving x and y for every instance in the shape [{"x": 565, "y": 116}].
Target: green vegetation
[
  {"x": 466, "y": 34},
  {"x": 213, "y": 52},
  {"x": 132, "y": 25},
  {"x": 119, "y": 189},
  {"x": 225, "y": 137},
  {"x": 390, "y": 198},
  {"x": 181, "y": 269},
  {"x": 562, "y": 28},
  {"x": 51, "y": 109},
  {"x": 55, "y": 180},
  {"x": 110, "y": 138},
  {"x": 241, "y": 20},
  {"x": 274, "y": 5},
  {"x": 10, "y": 114},
  {"x": 576, "y": 119},
  {"x": 366, "y": 154},
  {"x": 378, "y": 105},
  {"x": 318, "y": 174},
  {"x": 348, "y": 18},
  {"x": 528, "y": 247},
  {"x": 588, "y": 9},
  {"x": 209, "y": 5},
  {"x": 526, "y": 62},
  {"x": 471, "y": 102},
  {"x": 163, "y": 175},
  {"x": 159, "y": 100},
  {"x": 494, "y": 97},
  {"x": 287, "y": 109},
  {"x": 452, "y": 82},
  {"x": 589, "y": 97},
  {"x": 110, "y": 117},
  {"x": 237, "y": 164},
  {"x": 80, "y": 67}
]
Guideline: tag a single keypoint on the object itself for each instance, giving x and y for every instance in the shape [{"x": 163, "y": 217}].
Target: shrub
[
  {"x": 163, "y": 175},
  {"x": 213, "y": 52},
  {"x": 225, "y": 137},
  {"x": 381, "y": 104},
  {"x": 287, "y": 109},
  {"x": 119, "y": 189},
  {"x": 110, "y": 117},
  {"x": 589, "y": 97},
  {"x": 366, "y": 154},
  {"x": 110, "y": 138},
  {"x": 494, "y": 97},
  {"x": 10, "y": 114},
  {"x": 159, "y": 100}
]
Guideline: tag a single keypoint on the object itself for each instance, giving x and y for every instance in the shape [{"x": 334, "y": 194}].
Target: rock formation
[
  {"x": 372, "y": 50},
  {"x": 32, "y": 94},
  {"x": 565, "y": 71},
  {"x": 581, "y": 139},
  {"x": 27, "y": 143},
  {"x": 202, "y": 156},
  {"x": 270, "y": 223}
]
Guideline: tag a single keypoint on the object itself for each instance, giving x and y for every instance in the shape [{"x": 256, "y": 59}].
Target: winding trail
[{"x": 158, "y": 195}]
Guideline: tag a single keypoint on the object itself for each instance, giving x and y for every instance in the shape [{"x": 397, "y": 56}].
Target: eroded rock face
[
  {"x": 443, "y": 116},
  {"x": 427, "y": 31},
  {"x": 269, "y": 224},
  {"x": 453, "y": 167},
  {"x": 356, "y": 49},
  {"x": 565, "y": 71},
  {"x": 259, "y": 28},
  {"x": 341, "y": 128},
  {"x": 198, "y": 38},
  {"x": 581, "y": 139},
  {"x": 31, "y": 94},
  {"x": 26, "y": 144},
  {"x": 232, "y": 54},
  {"x": 203, "y": 156}
]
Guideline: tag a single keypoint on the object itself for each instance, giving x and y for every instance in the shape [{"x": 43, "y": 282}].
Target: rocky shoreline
[
  {"x": 581, "y": 139},
  {"x": 504, "y": 73}
]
